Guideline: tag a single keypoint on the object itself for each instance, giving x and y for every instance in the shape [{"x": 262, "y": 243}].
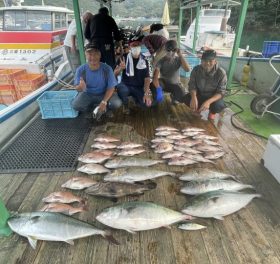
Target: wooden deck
[{"x": 249, "y": 236}]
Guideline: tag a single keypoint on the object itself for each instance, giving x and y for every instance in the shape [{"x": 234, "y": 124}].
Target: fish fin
[
  {"x": 130, "y": 231},
  {"x": 219, "y": 217},
  {"x": 151, "y": 185},
  {"x": 32, "y": 241},
  {"x": 113, "y": 199},
  {"x": 111, "y": 239},
  {"x": 70, "y": 241},
  {"x": 35, "y": 218}
]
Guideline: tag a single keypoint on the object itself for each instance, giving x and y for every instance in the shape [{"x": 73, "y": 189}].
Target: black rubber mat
[{"x": 46, "y": 145}]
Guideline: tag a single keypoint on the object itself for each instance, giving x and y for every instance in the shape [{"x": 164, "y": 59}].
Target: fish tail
[{"x": 110, "y": 238}]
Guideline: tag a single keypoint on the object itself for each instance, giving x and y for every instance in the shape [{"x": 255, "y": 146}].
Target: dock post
[{"x": 238, "y": 35}]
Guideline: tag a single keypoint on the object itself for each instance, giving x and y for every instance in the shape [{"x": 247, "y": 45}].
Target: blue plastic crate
[
  {"x": 192, "y": 61},
  {"x": 57, "y": 104},
  {"x": 270, "y": 48}
]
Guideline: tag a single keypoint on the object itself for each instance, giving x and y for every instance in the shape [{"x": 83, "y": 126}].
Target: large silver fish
[
  {"x": 135, "y": 175},
  {"x": 198, "y": 187},
  {"x": 53, "y": 227},
  {"x": 205, "y": 174},
  {"x": 93, "y": 169},
  {"x": 118, "y": 189},
  {"x": 217, "y": 204},
  {"x": 138, "y": 216},
  {"x": 130, "y": 162}
]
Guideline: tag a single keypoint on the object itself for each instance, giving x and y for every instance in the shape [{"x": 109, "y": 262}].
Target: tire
[{"x": 259, "y": 103}]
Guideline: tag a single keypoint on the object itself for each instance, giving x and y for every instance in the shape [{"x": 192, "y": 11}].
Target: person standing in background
[
  {"x": 102, "y": 30},
  {"x": 70, "y": 43},
  {"x": 159, "y": 29}
]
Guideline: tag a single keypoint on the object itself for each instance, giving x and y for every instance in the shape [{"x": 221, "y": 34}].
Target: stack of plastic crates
[
  {"x": 8, "y": 93},
  {"x": 57, "y": 104},
  {"x": 27, "y": 83},
  {"x": 192, "y": 61}
]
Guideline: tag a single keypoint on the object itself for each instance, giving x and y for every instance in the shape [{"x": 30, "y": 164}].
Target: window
[
  {"x": 60, "y": 20},
  {"x": 39, "y": 20}
]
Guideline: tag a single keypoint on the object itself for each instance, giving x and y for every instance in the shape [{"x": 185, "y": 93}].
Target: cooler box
[
  {"x": 57, "y": 104},
  {"x": 271, "y": 156}
]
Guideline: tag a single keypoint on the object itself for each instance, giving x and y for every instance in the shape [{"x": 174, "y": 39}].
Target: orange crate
[
  {"x": 29, "y": 81},
  {"x": 8, "y": 94},
  {"x": 7, "y": 75},
  {"x": 21, "y": 94}
]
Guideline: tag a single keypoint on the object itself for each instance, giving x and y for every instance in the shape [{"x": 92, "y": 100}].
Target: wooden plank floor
[{"x": 248, "y": 236}]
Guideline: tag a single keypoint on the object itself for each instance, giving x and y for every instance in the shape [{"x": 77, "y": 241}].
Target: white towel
[{"x": 130, "y": 67}]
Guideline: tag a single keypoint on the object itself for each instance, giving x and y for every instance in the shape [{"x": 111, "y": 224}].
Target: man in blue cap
[
  {"x": 96, "y": 83},
  {"x": 207, "y": 86}
]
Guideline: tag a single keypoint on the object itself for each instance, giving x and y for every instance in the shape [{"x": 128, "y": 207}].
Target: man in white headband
[{"x": 135, "y": 78}]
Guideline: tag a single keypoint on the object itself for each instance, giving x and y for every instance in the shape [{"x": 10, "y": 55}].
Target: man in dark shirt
[
  {"x": 102, "y": 29},
  {"x": 135, "y": 79},
  {"x": 207, "y": 86}
]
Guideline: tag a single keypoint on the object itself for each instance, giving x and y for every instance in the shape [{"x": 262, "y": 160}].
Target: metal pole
[
  {"x": 180, "y": 25},
  {"x": 238, "y": 35},
  {"x": 79, "y": 31},
  {"x": 195, "y": 36}
]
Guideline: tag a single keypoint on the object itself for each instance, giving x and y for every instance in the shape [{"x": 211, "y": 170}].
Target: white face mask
[{"x": 135, "y": 51}]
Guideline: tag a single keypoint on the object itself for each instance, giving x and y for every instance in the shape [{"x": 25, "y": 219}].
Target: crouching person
[
  {"x": 96, "y": 83},
  {"x": 135, "y": 78},
  {"x": 207, "y": 86}
]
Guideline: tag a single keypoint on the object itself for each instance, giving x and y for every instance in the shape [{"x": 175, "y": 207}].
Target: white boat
[
  {"x": 32, "y": 60},
  {"x": 260, "y": 76}
]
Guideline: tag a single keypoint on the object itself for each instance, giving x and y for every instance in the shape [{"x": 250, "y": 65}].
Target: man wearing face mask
[
  {"x": 166, "y": 76},
  {"x": 135, "y": 80},
  {"x": 207, "y": 86}
]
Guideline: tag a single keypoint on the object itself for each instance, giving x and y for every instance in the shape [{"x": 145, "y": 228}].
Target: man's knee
[
  {"x": 217, "y": 106},
  {"x": 115, "y": 102},
  {"x": 78, "y": 107}
]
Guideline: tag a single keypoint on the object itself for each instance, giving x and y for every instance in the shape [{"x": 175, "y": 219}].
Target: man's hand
[
  {"x": 82, "y": 85},
  {"x": 204, "y": 106},
  {"x": 122, "y": 64},
  {"x": 194, "y": 103},
  {"x": 147, "y": 100},
  {"x": 102, "y": 106}
]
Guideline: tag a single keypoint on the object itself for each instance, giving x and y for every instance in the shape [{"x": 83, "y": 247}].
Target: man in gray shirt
[
  {"x": 207, "y": 86},
  {"x": 166, "y": 74}
]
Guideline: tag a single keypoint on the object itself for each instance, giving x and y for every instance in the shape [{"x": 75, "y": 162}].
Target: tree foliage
[{"x": 261, "y": 14}]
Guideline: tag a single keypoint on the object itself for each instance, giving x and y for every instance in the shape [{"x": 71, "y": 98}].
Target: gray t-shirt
[{"x": 169, "y": 68}]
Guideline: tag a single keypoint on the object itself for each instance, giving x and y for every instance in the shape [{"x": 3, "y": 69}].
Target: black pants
[
  {"x": 215, "y": 107},
  {"x": 177, "y": 90},
  {"x": 107, "y": 51}
]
